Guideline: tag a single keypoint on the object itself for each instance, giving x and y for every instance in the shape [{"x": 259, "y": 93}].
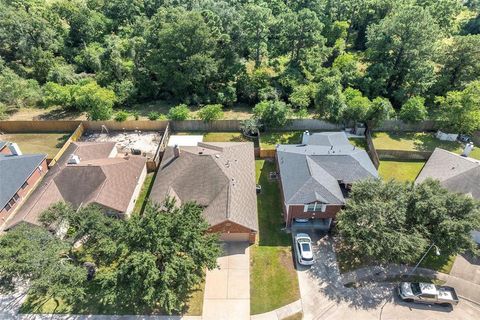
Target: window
[
  {"x": 25, "y": 185},
  {"x": 16, "y": 196},
  {"x": 8, "y": 207},
  {"x": 317, "y": 206},
  {"x": 11, "y": 202}
]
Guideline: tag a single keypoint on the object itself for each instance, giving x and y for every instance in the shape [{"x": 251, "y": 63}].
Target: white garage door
[{"x": 234, "y": 237}]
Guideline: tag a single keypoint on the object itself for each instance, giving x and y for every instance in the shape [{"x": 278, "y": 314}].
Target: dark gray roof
[
  {"x": 14, "y": 171},
  {"x": 456, "y": 173},
  {"x": 218, "y": 176},
  {"x": 313, "y": 172}
]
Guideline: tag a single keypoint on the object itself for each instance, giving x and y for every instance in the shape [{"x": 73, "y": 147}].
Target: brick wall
[{"x": 231, "y": 227}]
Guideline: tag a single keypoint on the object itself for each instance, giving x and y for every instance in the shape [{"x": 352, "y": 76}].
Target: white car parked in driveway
[{"x": 303, "y": 249}]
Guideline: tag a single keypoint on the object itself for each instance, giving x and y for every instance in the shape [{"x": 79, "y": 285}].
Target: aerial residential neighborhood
[{"x": 234, "y": 160}]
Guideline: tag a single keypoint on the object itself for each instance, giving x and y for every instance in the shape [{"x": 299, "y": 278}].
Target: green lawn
[
  {"x": 413, "y": 141},
  {"x": 268, "y": 140},
  {"x": 48, "y": 143},
  {"x": 92, "y": 305},
  {"x": 400, "y": 170},
  {"x": 273, "y": 279},
  {"x": 146, "y": 188},
  {"x": 359, "y": 142},
  {"x": 441, "y": 263}
]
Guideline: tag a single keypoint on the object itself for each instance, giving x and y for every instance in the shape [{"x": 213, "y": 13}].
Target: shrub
[
  {"x": 273, "y": 114},
  {"x": 153, "y": 115},
  {"x": 136, "y": 115},
  {"x": 414, "y": 110},
  {"x": 179, "y": 112},
  {"x": 121, "y": 116},
  {"x": 211, "y": 112}
]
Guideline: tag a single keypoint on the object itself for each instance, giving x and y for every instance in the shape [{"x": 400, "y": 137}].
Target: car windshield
[
  {"x": 305, "y": 247},
  {"x": 416, "y": 288}
]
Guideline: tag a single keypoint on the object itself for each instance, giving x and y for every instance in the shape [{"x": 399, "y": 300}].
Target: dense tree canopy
[
  {"x": 396, "y": 222},
  {"x": 151, "y": 262},
  {"x": 304, "y": 53}
]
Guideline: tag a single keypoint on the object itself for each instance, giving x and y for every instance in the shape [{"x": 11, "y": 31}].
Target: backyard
[
  {"x": 45, "y": 143},
  {"x": 269, "y": 140},
  {"x": 273, "y": 279},
  {"x": 412, "y": 141},
  {"x": 400, "y": 170}
]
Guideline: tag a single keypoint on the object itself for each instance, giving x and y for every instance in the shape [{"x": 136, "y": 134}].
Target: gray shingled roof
[
  {"x": 456, "y": 173},
  {"x": 14, "y": 171},
  {"x": 218, "y": 176},
  {"x": 313, "y": 172},
  {"x": 2, "y": 144}
]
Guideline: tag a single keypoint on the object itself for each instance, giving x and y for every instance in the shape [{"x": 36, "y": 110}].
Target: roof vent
[
  {"x": 15, "y": 149},
  {"x": 74, "y": 159},
  {"x": 217, "y": 156},
  {"x": 176, "y": 151}
]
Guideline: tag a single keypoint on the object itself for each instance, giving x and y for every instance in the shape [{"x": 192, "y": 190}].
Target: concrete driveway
[
  {"x": 227, "y": 289},
  {"x": 325, "y": 297}
]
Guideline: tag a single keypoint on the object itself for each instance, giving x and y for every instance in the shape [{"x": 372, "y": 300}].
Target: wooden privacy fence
[
  {"x": 372, "y": 152},
  {"x": 143, "y": 125},
  {"x": 74, "y": 137},
  {"x": 403, "y": 154},
  {"x": 196, "y": 125},
  {"x": 38, "y": 126}
]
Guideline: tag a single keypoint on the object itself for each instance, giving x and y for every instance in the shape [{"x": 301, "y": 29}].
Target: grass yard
[
  {"x": 413, "y": 141},
  {"x": 296, "y": 316},
  {"x": 400, "y": 170},
  {"x": 269, "y": 140},
  {"x": 359, "y": 142},
  {"x": 144, "y": 193},
  {"x": 48, "y": 143},
  {"x": 273, "y": 279},
  {"x": 441, "y": 263},
  {"x": 35, "y": 305}
]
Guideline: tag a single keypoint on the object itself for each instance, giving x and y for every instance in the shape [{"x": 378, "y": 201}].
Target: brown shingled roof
[
  {"x": 109, "y": 182},
  {"x": 218, "y": 176}
]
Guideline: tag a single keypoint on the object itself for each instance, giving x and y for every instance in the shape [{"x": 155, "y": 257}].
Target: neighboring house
[
  {"x": 456, "y": 173},
  {"x": 317, "y": 175},
  {"x": 220, "y": 177},
  {"x": 19, "y": 173},
  {"x": 89, "y": 173}
]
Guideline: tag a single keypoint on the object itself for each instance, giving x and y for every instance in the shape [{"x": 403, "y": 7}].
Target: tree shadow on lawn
[
  {"x": 424, "y": 141},
  {"x": 328, "y": 279},
  {"x": 62, "y": 140}
]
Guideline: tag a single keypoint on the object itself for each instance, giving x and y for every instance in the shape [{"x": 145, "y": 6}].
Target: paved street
[{"x": 325, "y": 297}]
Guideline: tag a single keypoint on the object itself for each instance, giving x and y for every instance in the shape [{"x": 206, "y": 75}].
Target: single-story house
[
  {"x": 19, "y": 173},
  {"x": 317, "y": 174},
  {"x": 88, "y": 173},
  {"x": 456, "y": 173},
  {"x": 220, "y": 177}
]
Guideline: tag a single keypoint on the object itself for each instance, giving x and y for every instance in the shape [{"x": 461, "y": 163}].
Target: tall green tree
[
  {"x": 374, "y": 223},
  {"x": 400, "y": 51},
  {"x": 459, "y": 111},
  {"x": 460, "y": 60},
  {"x": 256, "y": 23}
]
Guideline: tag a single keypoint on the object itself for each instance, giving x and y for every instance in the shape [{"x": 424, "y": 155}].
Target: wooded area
[{"x": 361, "y": 60}]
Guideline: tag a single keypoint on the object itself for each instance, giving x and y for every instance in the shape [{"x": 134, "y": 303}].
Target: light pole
[{"x": 437, "y": 252}]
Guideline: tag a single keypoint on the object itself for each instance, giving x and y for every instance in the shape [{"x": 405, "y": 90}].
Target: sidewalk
[
  {"x": 280, "y": 313},
  {"x": 465, "y": 289}
]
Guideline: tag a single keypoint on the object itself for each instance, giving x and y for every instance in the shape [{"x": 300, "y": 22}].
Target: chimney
[
  {"x": 467, "y": 150},
  {"x": 176, "y": 151},
  {"x": 305, "y": 137},
  {"x": 14, "y": 149}
]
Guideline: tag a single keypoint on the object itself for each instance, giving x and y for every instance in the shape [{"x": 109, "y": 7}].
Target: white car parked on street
[{"x": 303, "y": 249}]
